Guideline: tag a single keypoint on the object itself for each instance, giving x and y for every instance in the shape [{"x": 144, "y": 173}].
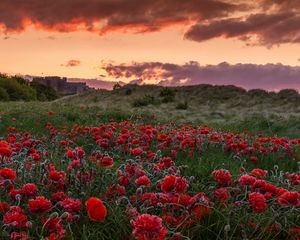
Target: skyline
[{"x": 80, "y": 39}]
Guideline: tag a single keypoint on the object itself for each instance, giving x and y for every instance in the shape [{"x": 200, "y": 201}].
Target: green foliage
[
  {"x": 44, "y": 92},
  {"x": 3, "y": 95},
  {"x": 288, "y": 94},
  {"x": 17, "y": 89},
  {"x": 257, "y": 93},
  {"x": 146, "y": 100},
  {"x": 167, "y": 94},
  {"x": 182, "y": 105}
]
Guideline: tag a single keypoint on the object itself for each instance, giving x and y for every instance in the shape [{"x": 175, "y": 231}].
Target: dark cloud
[
  {"x": 72, "y": 63},
  {"x": 263, "y": 22},
  {"x": 107, "y": 15},
  {"x": 260, "y": 28},
  {"x": 249, "y": 76}
]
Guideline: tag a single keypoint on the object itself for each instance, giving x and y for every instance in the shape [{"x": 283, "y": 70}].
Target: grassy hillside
[
  {"x": 228, "y": 108},
  {"x": 203, "y": 103},
  {"x": 225, "y": 106}
]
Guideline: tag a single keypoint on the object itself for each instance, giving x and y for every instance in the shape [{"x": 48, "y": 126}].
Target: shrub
[
  {"x": 44, "y": 92},
  {"x": 146, "y": 100},
  {"x": 288, "y": 94},
  {"x": 167, "y": 94},
  {"x": 257, "y": 92},
  {"x": 182, "y": 105},
  {"x": 3, "y": 95},
  {"x": 17, "y": 89}
]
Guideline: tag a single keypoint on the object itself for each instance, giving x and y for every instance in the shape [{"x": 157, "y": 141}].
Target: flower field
[{"x": 133, "y": 179}]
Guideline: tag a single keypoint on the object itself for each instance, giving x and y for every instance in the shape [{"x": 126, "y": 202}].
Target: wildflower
[
  {"x": 15, "y": 194},
  {"x": 36, "y": 157},
  {"x": 148, "y": 227},
  {"x": 8, "y": 174},
  {"x": 222, "y": 195},
  {"x": 96, "y": 209},
  {"x": 71, "y": 205},
  {"x": 58, "y": 197},
  {"x": 15, "y": 217},
  {"x": 106, "y": 162},
  {"x": 172, "y": 183},
  {"x": 289, "y": 198},
  {"x": 143, "y": 181},
  {"x": 39, "y": 205},
  {"x": 257, "y": 202},
  {"x": 258, "y": 173},
  {"x": 29, "y": 190},
  {"x": 222, "y": 176},
  {"x": 253, "y": 159},
  {"x": 247, "y": 180},
  {"x": 4, "y": 207},
  {"x": 136, "y": 151}
]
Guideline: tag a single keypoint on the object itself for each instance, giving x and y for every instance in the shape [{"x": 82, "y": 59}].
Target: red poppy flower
[
  {"x": 136, "y": 151},
  {"x": 39, "y": 205},
  {"x": 4, "y": 207},
  {"x": 71, "y": 205},
  {"x": 8, "y": 173},
  {"x": 143, "y": 181},
  {"x": 247, "y": 180},
  {"x": 148, "y": 227},
  {"x": 15, "y": 217},
  {"x": 96, "y": 209},
  {"x": 173, "y": 183},
  {"x": 257, "y": 202},
  {"x": 258, "y": 173},
  {"x": 222, "y": 176},
  {"x": 106, "y": 162},
  {"x": 29, "y": 190}
]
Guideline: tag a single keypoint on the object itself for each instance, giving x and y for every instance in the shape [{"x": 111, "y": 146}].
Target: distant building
[{"x": 62, "y": 86}]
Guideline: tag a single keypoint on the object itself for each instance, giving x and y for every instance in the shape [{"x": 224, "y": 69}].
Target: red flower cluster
[
  {"x": 148, "y": 227},
  {"x": 133, "y": 168}
]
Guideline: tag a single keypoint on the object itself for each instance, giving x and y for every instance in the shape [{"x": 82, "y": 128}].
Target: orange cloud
[{"x": 72, "y": 63}]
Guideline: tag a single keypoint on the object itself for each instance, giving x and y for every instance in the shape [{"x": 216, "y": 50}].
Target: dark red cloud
[
  {"x": 105, "y": 15},
  {"x": 249, "y": 76},
  {"x": 72, "y": 63}
]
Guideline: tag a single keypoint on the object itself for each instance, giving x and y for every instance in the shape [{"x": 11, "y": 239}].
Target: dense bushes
[
  {"x": 44, "y": 92},
  {"x": 167, "y": 94},
  {"x": 146, "y": 100},
  {"x": 16, "y": 88}
]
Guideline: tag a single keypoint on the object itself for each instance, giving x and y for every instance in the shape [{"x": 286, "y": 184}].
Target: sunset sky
[{"x": 253, "y": 44}]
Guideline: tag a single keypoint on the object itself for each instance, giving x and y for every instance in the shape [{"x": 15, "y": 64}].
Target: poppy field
[{"x": 139, "y": 178}]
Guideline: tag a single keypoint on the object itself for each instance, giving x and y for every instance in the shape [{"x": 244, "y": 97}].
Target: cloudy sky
[{"x": 253, "y": 44}]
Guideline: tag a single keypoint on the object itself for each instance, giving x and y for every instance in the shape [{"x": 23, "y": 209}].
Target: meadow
[{"x": 152, "y": 164}]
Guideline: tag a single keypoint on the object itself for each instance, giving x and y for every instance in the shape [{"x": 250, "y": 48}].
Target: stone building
[{"x": 62, "y": 86}]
